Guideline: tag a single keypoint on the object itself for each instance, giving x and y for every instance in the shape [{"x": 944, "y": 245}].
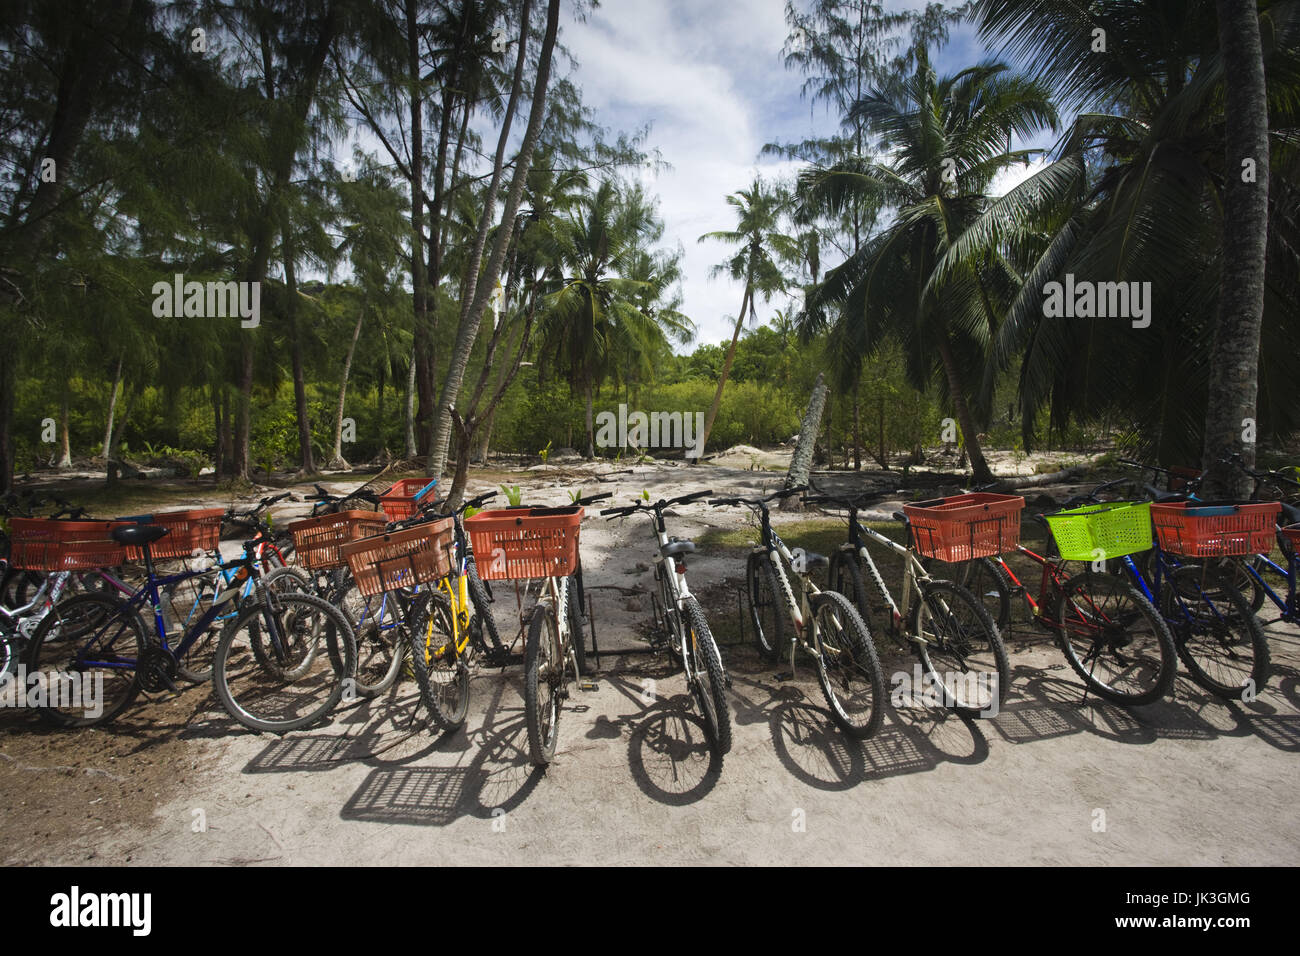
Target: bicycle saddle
[
  {"x": 899, "y": 516},
  {"x": 675, "y": 547},
  {"x": 137, "y": 535},
  {"x": 1291, "y": 512},
  {"x": 816, "y": 560}
]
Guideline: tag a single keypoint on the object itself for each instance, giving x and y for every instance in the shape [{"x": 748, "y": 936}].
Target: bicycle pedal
[{"x": 587, "y": 684}]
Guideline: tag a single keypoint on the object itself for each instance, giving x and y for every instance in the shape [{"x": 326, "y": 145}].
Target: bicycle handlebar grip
[
  {"x": 592, "y": 499},
  {"x": 933, "y": 502}
]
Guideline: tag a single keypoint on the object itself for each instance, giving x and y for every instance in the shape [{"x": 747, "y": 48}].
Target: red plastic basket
[
  {"x": 1291, "y": 534},
  {"x": 963, "y": 527},
  {"x": 515, "y": 543},
  {"x": 1198, "y": 530},
  {"x": 197, "y": 529},
  {"x": 317, "y": 541},
  {"x": 400, "y": 559},
  {"x": 398, "y": 501},
  {"x": 42, "y": 544}
]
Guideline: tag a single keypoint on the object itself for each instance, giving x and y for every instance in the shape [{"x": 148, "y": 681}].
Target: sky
[{"x": 708, "y": 77}]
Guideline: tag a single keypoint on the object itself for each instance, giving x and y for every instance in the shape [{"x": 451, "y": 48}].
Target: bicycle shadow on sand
[
  {"x": 478, "y": 772},
  {"x": 820, "y": 755},
  {"x": 1047, "y": 703},
  {"x": 668, "y": 750}
]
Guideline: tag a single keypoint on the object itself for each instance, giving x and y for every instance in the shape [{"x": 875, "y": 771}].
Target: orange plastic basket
[
  {"x": 197, "y": 529},
  {"x": 1198, "y": 530},
  {"x": 43, "y": 544},
  {"x": 401, "y": 559},
  {"x": 317, "y": 541},
  {"x": 398, "y": 501},
  {"x": 1291, "y": 534},
  {"x": 515, "y": 543},
  {"x": 963, "y": 527}
]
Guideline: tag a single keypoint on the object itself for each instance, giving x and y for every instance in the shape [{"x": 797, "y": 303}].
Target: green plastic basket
[{"x": 1094, "y": 532}]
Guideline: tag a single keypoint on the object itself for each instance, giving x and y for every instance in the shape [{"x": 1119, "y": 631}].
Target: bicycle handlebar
[{"x": 649, "y": 506}]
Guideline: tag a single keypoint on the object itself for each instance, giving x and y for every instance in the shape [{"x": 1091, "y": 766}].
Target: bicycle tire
[
  {"x": 577, "y": 633},
  {"x": 63, "y": 631},
  {"x": 964, "y": 635},
  {"x": 1092, "y": 598},
  {"x": 847, "y": 656},
  {"x": 1223, "y": 628},
  {"x": 289, "y": 612},
  {"x": 544, "y": 682},
  {"x": 845, "y": 577},
  {"x": 381, "y": 647},
  {"x": 765, "y": 602},
  {"x": 443, "y": 690},
  {"x": 489, "y": 636},
  {"x": 985, "y": 578},
  {"x": 710, "y": 678}
]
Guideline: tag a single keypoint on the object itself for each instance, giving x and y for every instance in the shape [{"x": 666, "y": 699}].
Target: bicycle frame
[
  {"x": 913, "y": 570},
  {"x": 1289, "y": 606}
]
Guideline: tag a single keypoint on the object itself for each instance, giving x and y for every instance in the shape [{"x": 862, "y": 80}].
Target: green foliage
[{"x": 513, "y": 495}]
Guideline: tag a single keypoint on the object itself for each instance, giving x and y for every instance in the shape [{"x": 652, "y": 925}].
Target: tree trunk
[
  {"x": 857, "y": 426},
  {"x": 65, "y": 442},
  {"x": 590, "y": 420},
  {"x": 307, "y": 461},
  {"x": 726, "y": 369},
  {"x": 472, "y": 312},
  {"x": 801, "y": 462},
  {"x": 1230, "y": 419},
  {"x": 884, "y": 448},
  {"x": 410, "y": 450},
  {"x": 8, "y": 376},
  {"x": 338, "y": 461},
  {"x": 979, "y": 467},
  {"x": 112, "y": 409},
  {"x": 244, "y": 408}
]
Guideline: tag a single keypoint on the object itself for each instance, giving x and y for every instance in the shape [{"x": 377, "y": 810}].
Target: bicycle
[
  {"x": 541, "y": 544},
  {"x": 679, "y": 620},
  {"x": 412, "y": 561},
  {"x": 824, "y": 623},
  {"x": 959, "y": 648},
  {"x": 106, "y": 637},
  {"x": 1109, "y": 629}
]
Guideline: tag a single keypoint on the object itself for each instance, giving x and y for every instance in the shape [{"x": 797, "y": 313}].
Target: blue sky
[{"x": 708, "y": 78}]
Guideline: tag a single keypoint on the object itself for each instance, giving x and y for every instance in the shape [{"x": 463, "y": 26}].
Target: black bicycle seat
[
  {"x": 138, "y": 535},
  {"x": 674, "y": 548},
  {"x": 899, "y": 516},
  {"x": 815, "y": 560},
  {"x": 1291, "y": 512}
]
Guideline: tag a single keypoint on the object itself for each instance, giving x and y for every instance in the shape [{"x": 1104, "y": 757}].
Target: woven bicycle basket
[
  {"x": 43, "y": 544},
  {"x": 420, "y": 554},
  {"x": 195, "y": 529},
  {"x": 518, "y": 543},
  {"x": 963, "y": 527},
  {"x": 1097, "y": 532},
  {"x": 1207, "y": 530},
  {"x": 317, "y": 540}
]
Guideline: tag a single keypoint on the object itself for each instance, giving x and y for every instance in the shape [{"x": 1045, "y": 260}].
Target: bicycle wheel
[
  {"x": 1114, "y": 639},
  {"x": 544, "y": 685},
  {"x": 845, "y": 577},
  {"x": 847, "y": 666},
  {"x": 983, "y": 577},
  {"x": 442, "y": 676},
  {"x": 577, "y": 634},
  {"x": 81, "y": 663},
  {"x": 1215, "y": 632},
  {"x": 288, "y": 685},
  {"x": 290, "y": 580},
  {"x": 381, "y": 647},
  {"x": 710, "y": 678},
  {"x": 766, "y": 606},
  {"x": 485, "y": 628},
  {"x": 182, "y": 604},
  {"x": 18, "y": 586},
  {"x": 960, "y": 649}
]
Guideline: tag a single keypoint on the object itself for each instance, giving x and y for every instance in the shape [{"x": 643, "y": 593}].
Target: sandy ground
[{"x": 1051, "y": 779}]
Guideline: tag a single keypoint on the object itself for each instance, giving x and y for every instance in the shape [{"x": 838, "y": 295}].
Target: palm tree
[
  {"x": 758, "y": 212},
  {"x": 600, "y": 311},
  {"x": 1135, "y": 193},
  {"x": 946, "y": 140}
]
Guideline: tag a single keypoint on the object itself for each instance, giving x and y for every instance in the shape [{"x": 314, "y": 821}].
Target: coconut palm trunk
[
  {"x": 957, "y": 394},
  {"x": 1230, "y": 419},
  {"x": 338, "y": 461},
  {"x": 726, "y": 369}
]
